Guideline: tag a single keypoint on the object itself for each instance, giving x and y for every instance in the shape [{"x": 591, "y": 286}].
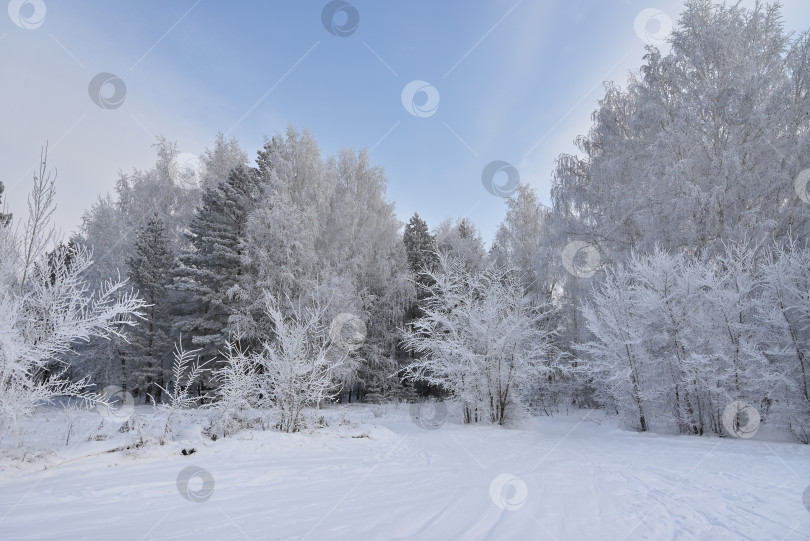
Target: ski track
[{"x": 585, "y": 481}]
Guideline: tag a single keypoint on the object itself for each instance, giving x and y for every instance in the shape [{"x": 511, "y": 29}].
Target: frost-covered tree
[
  {"x": 522, "y": 242},
  {"x": 219, "y": 161},
  {"x": 702, "y": 145},
  {"x": 297, "y": 366},
  {"x": 322, "y": 231},
  {"x": 696, "y": 153},
  {"x": 238, "y": 387},
  {"x": 280, "y": 243},
  {"x": 363, "y": 238},
  {"x": 109, "y": 229},
  {"x": 46, "y": 305},
  {"x": 526, "y": 243},
  {"x": 150, "y": 270},
  {"x": 103, "y": 230},
  {"x": 461, "y": 240},
  {"x": 483, "y": 339},
  {"x": 786, "y": 312},
  {"x": 212, "y": 264},
  {"x": 180, "y": 390},
  {"x": 422, "y": 252},
  {"x": 613, "y": 359},
  {"x": 112, "y": 223},
  {"x": 676, "y": 339},
  {"x": 420, "y": 247}
]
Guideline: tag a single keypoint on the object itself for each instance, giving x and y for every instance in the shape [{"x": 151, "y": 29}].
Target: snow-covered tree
[
  {"x": 676, "y": 339},
  {"x": 180, "y": 390},
  {"x": 786, "y": 312},
  {"x": 112, "y": 223},
  {"x": 46, "y": 305},
  {"x": 613, "y": 359},
  {"x": 324, "y": 226},
  {"x": 702, "y": 145},
  {"x": 697, "y": 153},
  {"x": 461, "y": 240},
  {"x": 281, "y": 234},
  {"x": 422, "y": 252},
  {"x": 212, "y": 263},
  {"x": 238, "y": 387},
  {"x": 522, "y": 242},
  {"x": 110, "y": 227},
  {"x": 483, "y": 339},
  {"x": 219, "y": 161},
  {"x": 150, "y": 268},
  {"x": 420, "y": 247},
  {"x": 364, "y": 239},
  {"x": 297, "y": 365}
]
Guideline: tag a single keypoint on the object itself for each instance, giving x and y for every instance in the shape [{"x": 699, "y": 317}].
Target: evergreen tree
[
  {"x": 64, "y": 253},
  {"x": 420, "y": 247},
  {"x": 212, "y": 264},
  {"x": 150, "y": 268},
  {"x": 423, "y": 258}
]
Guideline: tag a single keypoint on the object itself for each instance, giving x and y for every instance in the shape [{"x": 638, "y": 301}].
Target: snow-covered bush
[
  {"x": 482, "y": 338},
  {"x": 187, "y": 370},
  {"x": 239, "y": 388},
  {"x": 292, "y": 370},
  {"x": 297, "y": 366}
]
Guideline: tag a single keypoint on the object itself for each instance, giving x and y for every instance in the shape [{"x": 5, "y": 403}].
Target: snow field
[{"x": 374, "y": 473}]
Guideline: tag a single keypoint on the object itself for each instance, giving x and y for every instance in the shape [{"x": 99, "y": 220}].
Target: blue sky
[{"x": 516, "y": 80}]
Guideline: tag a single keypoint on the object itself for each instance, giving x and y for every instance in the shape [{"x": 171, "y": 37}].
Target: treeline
[
  {"x": 302, "y": 228},
  {"x": 668, "y": 279}
]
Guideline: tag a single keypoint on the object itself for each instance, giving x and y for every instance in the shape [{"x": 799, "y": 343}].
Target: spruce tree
[
  {"x": 212, "y": 265},
  {"x": 422, "y": 252},
  {"x": 420, "y": 247},
  {"x": 151, "y": 267}
]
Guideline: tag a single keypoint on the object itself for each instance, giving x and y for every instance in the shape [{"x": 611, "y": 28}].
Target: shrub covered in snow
[{"x": 483, "y": 339}]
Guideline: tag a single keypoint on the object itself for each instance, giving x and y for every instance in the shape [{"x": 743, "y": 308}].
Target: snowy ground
[{"x": 384, "y": 476}]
